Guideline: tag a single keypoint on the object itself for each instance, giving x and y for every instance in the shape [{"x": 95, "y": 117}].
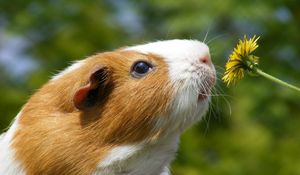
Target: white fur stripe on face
[{"x": 179, "y": 54}]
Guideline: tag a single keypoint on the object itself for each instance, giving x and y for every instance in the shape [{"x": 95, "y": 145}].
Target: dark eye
[{"x": 140, "y": 69}]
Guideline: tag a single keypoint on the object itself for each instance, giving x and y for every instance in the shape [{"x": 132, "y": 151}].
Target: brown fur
[{"x": 54, "y": 137}]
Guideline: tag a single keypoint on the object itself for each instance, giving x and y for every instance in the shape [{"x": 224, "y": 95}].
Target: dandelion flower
[{"x": 241, "y": 60}]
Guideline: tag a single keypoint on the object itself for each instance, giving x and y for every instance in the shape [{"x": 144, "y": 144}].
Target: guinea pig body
[{"x": 119, "y": 112}]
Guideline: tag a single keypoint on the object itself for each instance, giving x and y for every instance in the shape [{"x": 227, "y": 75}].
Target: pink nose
[{"x": 205, "y": 60}]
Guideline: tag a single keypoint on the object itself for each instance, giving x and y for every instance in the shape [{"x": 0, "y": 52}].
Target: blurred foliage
[{"x": 251, "y": 128}]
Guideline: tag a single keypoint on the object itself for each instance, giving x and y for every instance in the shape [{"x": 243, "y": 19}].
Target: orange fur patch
[{"x": 56, "y": 138}]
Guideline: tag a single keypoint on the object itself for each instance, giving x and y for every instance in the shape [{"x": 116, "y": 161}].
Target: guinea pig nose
[{"x": 205, "y": 59}]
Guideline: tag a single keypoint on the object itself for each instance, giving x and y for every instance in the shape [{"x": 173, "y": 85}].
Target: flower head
[{"x": 241, "y": 60}]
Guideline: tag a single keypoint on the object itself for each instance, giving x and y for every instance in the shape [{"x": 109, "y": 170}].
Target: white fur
[
  {"x": 71, "y": 68},
  {"x": 8, "y": 164},
  {"x": 179, "y": 54},
  {"x": 141, "y": 159},
  {"x": 119, "y": 154}
]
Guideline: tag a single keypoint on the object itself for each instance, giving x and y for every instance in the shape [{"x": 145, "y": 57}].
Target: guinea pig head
[
  {"x": 144, "y": 91},
  {"x": 141, "y": 92}
]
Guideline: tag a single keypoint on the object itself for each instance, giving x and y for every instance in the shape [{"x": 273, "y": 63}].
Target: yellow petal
[{"x": 235, "y": 66}]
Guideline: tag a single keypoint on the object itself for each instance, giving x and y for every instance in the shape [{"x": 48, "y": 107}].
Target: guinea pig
[{"x": 118, "y": 112}]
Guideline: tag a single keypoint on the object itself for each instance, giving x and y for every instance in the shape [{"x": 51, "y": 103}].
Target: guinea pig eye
[{"x": 140, "y": 68}]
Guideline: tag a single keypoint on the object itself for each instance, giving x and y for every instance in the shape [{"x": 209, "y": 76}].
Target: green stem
[{"x": 274, "y": 79}]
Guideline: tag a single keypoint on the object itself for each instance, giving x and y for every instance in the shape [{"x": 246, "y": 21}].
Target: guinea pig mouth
[
  {"x": 203, "y": 95},
  {"x": 205, "y": 89}
]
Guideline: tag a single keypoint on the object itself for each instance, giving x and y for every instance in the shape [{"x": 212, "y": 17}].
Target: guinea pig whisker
[
  {"x": 206, "y": 34},
  {"x": 212, "y": 112},
  {"x": 216, "y": 37},
  {"x": 220, "y": 68},
  {"x": 224, "y": 97}
]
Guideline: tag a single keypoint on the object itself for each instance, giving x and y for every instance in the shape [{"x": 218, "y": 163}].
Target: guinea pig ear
[{"x": 92, "y": 93}]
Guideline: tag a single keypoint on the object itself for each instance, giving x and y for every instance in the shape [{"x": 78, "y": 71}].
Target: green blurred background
[{"x": 251, "y": 128}]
